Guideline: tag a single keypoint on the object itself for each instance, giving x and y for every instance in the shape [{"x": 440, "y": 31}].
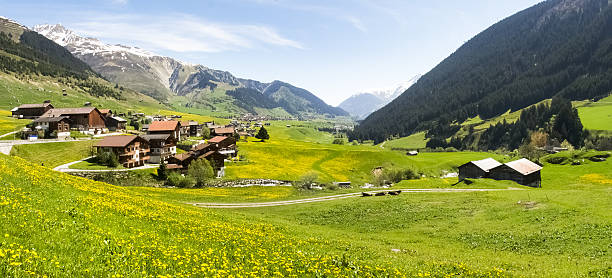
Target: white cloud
[
  {"x": 181, "y": 33},
  {"x": 120, "y": 2}
]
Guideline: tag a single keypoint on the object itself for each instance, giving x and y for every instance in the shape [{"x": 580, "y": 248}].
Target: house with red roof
[{"x": 166, "y": 127}]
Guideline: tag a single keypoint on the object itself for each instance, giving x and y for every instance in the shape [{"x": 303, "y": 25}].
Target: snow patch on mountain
[{"x": 83, "y": 45}]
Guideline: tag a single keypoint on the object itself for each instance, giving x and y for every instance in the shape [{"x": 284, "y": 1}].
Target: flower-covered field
[{"x": 54, "y": 225}]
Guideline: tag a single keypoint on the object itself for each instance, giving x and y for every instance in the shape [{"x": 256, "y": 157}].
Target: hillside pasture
[
  {"x": 294, "y": 151},
  {"x": 54, "y": 154},
  {"x": 597, "y": 115}
]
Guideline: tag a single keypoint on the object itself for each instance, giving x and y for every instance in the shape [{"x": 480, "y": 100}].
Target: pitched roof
[
  {"x": 163, "y": 126},
  {"x": 182, "y": 156},
  {"x": 34, "y": 105},
  {"x": 524, "y": 166},
  {"x": 486, "y": 164},
  {"x": 224, "y": 130},
  {"x": 50, "y": 119},
  {"x": 119, "y": 119},
  {"x": 116, "y": 141},
  {"x": 56, "y": 112},
  {"x": 184, "y": 123},
  {"x": 208, "y": 154},
  {"x": 150, "y": 137},
  {"x": 193, "y": 123},
  {"x": 200, "y": 147},
  {"x": 217, "y": 139},
  {"x": 104, "y": 111}
]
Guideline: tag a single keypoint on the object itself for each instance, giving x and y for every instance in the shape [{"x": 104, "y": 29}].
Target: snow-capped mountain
[
  {"x": 162, "y": 77},
  {"x": 139, "y": 69},
  {"x": 362, "y": 104}
]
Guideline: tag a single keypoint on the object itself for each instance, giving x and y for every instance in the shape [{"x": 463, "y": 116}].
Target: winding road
[{"x": 342, "y": 196}]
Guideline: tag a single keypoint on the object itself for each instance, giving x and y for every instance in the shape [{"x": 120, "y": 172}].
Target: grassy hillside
[
  {"x": 59, "y": 225},
  {"x": 9, "y": 124},
  {"x": 36, "y": 89},
  {"x": 414, "y": 141},
  {"x": 597, "y": 115},
  {"x": 294, "y": 151},
  {"x": 54, "y": 154}
]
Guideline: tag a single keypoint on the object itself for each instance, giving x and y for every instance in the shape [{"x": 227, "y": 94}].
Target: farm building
[
  {"x": 521, "y": 171},
  {"x": 224, "y": 145},
  {"x": 165, "y": 127},
  {"x": 58, "y": 125},
  {"x": 84, "y": 119},
  {"x": 132, "y": 151},
  {"x": 477, "y": 169},
  {"x": 163, "y": 146},
  {"x": 223, "y": 131},
  {"x": 116, "y": 123},
  {"x": 106, "y": 112},
  {"x": 31, "y": 111}
]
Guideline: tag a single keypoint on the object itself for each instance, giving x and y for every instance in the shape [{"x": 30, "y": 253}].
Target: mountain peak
[{"x": 84, "y": 45}]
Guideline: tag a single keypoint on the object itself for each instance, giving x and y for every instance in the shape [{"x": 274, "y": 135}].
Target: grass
[
  {"x": 294, "y": 151},
  {"x": 14, "y": 92},
  {"x": 55, "y": 224},
  {"x": 10, "y": 124},
  {"x": 54, "y": 154},
  {"x": 597, "y": 115},
  {"x": 92, "y": 164},
  {"x": 414, "y": 141}
]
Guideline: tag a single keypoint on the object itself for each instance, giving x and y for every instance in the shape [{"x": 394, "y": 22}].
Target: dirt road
[{"x": 341, "y": 196}]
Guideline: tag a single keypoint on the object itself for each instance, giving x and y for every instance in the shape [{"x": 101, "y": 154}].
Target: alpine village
[{"x": 117, "y": 161}]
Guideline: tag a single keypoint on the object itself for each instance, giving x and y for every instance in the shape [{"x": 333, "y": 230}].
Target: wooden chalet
[
  {"x": 31, "y": 111},
  {"x": 165, "y": 127},
  {"x": 477, "y": 169},
  {"x": 132, "y": 151},
  {"x": 58, "y": 125},
  {"x": 83, "y": 119},
  {"x": 106, "y": 112},
  {"x": 224, "y": 131},
  {"x": 114, "y": 123},
  {"x": 522, "y": 171},
  {"x": 163, "y": 146},
  {"x": 180, "y": 161},
  {"x": 224, "y": 145},
  {"x": 195, "y": 129}
]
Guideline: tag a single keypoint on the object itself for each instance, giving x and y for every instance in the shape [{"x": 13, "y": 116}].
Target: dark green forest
[
  {"x": 41, "y": 56},
  {"x": 536, "y": 54}
]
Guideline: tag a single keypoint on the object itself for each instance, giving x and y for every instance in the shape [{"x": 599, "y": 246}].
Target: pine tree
[{"x": 262, "y": 134}]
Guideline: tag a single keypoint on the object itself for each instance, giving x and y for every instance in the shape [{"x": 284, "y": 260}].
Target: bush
[
  {"x": 162, "y": 171},
  {"x": 388, "y": 176},
  {"x": 307, "y": 180},
  {"x": 201, "y": 171},
  {"x": 338, "y": 141},
  {"x": 177, "y": 180},
  {"x": 109, "y": 159}
]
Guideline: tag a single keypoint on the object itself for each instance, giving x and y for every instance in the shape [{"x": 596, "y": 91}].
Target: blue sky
[{"x": 332, "y": 48}]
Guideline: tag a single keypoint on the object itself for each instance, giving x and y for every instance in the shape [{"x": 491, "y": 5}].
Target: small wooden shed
[
  {"x": 522, "y": 171},
  {"x": 477, "y": 169}
]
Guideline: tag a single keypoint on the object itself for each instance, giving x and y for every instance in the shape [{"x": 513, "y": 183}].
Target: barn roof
[
  {"x": 163, "y": 126},
  {"x": 119, "y": 119},
  {"x": 50, "y": 119},
  {"x": 105, "y": 111},
  {"x": 34, "y": 105},
  {"x": 56, "y": 112},
  {"x": 524, "y": 166},
  {"x": 116, "y": 141},
  {"x": 224, "y": 130},
  {"x": 200, "y": 147},
  {"x": 183, "y": 156},
  {"x": 150, "y": 137},
  {"x": 217, "y": 139},
  {"x": 486, "y": 164}
]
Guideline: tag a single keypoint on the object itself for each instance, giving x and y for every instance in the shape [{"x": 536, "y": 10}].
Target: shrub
[
  {"x": 201, "y": 171},
  {"x": 177, "y": 180},
  {"x": 307, "y": 180},
  {"x": 162, "y": 171},
  {"x": 338, "y": 141},
  {"x": 109, "y": 159},
  {"x": 394, "y": 176}
]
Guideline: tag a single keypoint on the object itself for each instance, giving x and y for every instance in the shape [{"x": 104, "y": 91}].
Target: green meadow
[{"x": 597, "y": 115}]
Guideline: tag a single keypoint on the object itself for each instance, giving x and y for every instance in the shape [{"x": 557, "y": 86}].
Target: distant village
[{"x": 156, "y": 142}]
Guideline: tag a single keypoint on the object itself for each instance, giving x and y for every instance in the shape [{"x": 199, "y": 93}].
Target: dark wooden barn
[
  {"x": 477, "y": 169},
  {"x": 521, "y": 171}
]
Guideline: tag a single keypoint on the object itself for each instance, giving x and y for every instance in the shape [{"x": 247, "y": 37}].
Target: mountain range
[
  {"x": 556, "y": 48},
  {"x": 165, "y": 78},
  {"x": 364, "y": 103}
]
